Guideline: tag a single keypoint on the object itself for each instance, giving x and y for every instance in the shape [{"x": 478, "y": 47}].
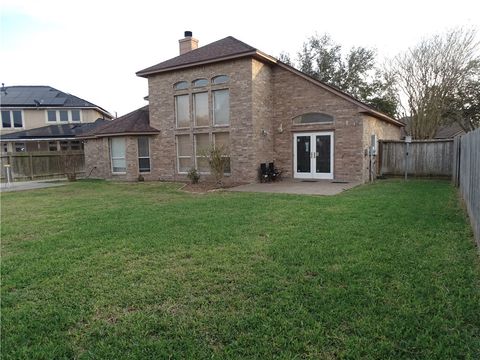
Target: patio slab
[{"x": 288, "y": 186}]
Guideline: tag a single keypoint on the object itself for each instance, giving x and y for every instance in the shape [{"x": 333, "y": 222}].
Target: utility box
[{"x": 373, "y": 145}]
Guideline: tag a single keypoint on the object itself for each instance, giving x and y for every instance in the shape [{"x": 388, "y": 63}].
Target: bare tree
[{"x": 433, "y": 73}]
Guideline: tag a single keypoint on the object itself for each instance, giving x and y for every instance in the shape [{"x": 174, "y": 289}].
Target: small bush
[{"x": 193, "y": 175}]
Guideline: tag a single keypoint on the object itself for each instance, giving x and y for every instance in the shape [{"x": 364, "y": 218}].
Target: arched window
[
  {"x": 313, "y": 118},
  {"x": 220, "y": 79},
  {"x": 200, "y": 82},
  {"x": 181, "y": 85}
]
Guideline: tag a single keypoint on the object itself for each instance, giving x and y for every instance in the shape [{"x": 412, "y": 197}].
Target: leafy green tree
[{"x": 355, "y": 73}]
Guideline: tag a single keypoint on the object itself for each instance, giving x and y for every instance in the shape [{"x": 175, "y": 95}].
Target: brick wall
[
  {"x": 293, "y": 96},
  {"x": 162, "y": 116}
]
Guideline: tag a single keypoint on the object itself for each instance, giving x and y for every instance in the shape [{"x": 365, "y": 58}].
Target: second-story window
[
  {"x": 12, "y": 119},
  {"x": 200, "y": 108},
  {"x": 63, "y": 116},
  {"x": 182, "y": 111},
  {"x": 221, "y": 107}
]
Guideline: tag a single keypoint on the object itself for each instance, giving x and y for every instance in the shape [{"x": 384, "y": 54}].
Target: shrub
[
  {"x": 218, "y": 161},
  {"x": 193, "y": 175}
]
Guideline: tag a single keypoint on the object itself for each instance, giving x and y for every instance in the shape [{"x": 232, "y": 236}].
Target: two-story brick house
[
  {"x": 257, "y": 107},
  {"x": 42, "y": 118}
]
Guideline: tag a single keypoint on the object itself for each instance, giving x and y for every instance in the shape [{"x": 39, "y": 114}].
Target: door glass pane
[
  {"x": 303, "y": 154},
  {"x": 323, "y": 154}
]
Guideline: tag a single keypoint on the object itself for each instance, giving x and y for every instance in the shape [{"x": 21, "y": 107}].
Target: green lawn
[{"x": 98, "y": 270}]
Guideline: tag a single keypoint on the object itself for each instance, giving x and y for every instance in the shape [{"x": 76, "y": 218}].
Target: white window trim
[
  {"x": 200, "y": 156},
  {"x": 118, "y": 158},
  {"x": 181, "y": 156},
  {"x": 11, "y": 119},
  {"x": 213, "y": 108},
  {"x": 145, "y": 157},
  {"x": 176, "y": 111},
  {"x": 57, "y": 116}
]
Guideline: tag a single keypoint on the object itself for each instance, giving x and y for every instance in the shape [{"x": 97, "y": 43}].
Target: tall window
[
  {"x": 221, "y": 107},
  {"x": 12, "y": 118},
  {"x": 182, "y": 111},
  {"x": 223, "y": 140},
  {"x": 117, "y": 153},
  {"x": 184, "y": 153},
  {"x": 143, "y": 154},
  {"x": 200, "y": 108},
  {"x": 202, "y": 143}
]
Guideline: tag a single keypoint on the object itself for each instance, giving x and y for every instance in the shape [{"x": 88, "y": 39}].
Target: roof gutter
[{"x": 97, "y": 136}]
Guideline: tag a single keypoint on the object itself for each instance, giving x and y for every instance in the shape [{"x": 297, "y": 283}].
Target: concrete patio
[{"x": 302, "y": 187}]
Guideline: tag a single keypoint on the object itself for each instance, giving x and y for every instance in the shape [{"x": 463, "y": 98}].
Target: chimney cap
[{"x": 188, "y": 34}]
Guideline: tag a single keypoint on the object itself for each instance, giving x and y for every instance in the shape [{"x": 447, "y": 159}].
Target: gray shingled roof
[
  {"x": 136, "y": 122},
  {"x": 42, "y": 96},
  {"x": 55, "y": 131},
  {"x": 224, "y": 48}
]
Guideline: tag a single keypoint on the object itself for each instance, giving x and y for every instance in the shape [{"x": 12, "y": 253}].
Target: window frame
[
  {"x": 229, "y": 146},
  {"x": 182, "y": 156},
  {"x": 194, "y": 109},
  {"x": 181, "y": 82},
  {"x": 58, "y": 116},
  {"x": 213, "y": 80},
  {"x": 213, "y": 107},
  {"x": 200, "y": 156},
  {"x": 12, "y": 119},
  {"x": 144, "y": 157},
  {"x": 188, "y": 110},
  {"x": 118, "y": 158},
  {"x": 195, "y": 85},
  {"x": 313, "y": 123}
]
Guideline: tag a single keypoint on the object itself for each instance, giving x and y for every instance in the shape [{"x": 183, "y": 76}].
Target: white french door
[{"x": 313, "y": 155}]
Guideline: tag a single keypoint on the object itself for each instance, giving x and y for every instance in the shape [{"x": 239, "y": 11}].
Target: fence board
[
  {"x": 34, "y": 165},
  {"x": 426, "y": 158},
  {"x": 468, "y": 156}
]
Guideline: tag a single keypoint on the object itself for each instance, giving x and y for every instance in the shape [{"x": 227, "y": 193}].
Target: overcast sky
[{"x": 92, "y": 49}]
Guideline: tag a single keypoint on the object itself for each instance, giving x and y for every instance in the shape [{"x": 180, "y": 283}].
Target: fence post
[{"x": 30, "y": 160}]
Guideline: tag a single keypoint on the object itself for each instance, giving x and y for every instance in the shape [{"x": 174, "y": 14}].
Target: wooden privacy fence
[
  {"x": 36, "y": 165},
  {"x": 425, "y": 158},
  {"x": 466, "y": 175}
]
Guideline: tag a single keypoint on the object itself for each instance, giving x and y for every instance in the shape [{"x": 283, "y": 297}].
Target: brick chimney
[{"x": 188, "y": 43}]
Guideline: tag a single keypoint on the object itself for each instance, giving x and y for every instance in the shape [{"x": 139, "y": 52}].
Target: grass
[{"x": 99, "y": 270}]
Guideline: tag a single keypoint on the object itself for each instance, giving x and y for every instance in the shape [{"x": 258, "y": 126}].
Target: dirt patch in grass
[{"x": 205, "y": 187}]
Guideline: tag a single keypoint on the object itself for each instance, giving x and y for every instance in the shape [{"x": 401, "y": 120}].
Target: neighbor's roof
[
  {"x": 39, "y": 96},
  {"x": 231, "y": 48},
  {"x": 135, "y": 123},
  {"x": 55, "y": 131},
  {"x": 449, "y": 131}
]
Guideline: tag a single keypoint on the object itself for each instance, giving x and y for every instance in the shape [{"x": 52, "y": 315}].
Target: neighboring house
[
  {"x": 50, "y": 138},
  {"x": 260, "y": 109},
  {"x": 24, "y": 108},
  {"x": 449, "y": 131}
]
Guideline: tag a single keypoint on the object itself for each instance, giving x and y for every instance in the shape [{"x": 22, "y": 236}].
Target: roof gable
[
  {"x": 222, "y": 49},
  {"x": 135, "y": 122}
]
